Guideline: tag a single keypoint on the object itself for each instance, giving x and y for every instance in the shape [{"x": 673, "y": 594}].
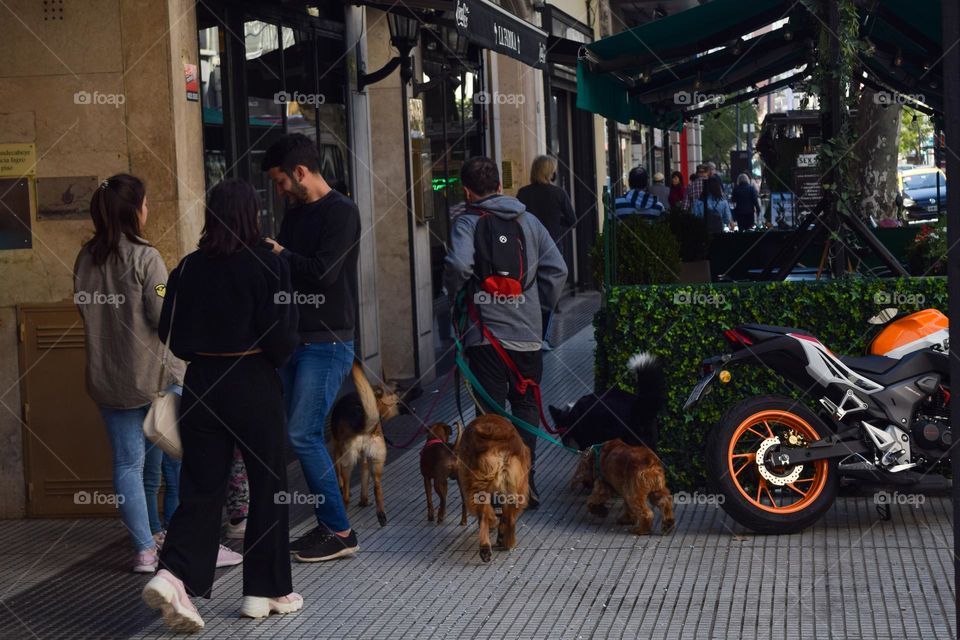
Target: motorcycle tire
[{"x": 772, "y": 501}]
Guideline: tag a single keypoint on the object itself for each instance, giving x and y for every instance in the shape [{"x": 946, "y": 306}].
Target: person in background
[
  {"x": 320, "y": 240},
  {"x": 746, "y": 203},
  {"x": 638, "y": 200},
  {"x": 695, "y": 188},
  {"x": 676, "y": 190},
  {"x": 119, "y": 283},
  {"x": 238, "y": 498},
  {"x": 712, "y": 207},
  {"x": 551, "y": 206},
  {"x": 659, "y": 189},
  {"x": 515, "y": 326},
  {"x": 232, "y": 327}
]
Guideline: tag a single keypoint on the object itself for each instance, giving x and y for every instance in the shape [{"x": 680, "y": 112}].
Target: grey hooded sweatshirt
[{"x": 510, "y": 321}]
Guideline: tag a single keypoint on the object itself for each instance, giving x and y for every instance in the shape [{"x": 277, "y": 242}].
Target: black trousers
[
  {"x": 497, "y": 380},
  {"x": 227, "y": 401}
]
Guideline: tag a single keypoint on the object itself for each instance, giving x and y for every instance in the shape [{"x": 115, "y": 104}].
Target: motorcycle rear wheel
[{"x": 770, "y": 500}]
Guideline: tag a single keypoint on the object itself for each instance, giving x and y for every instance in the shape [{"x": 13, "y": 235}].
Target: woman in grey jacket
[{"x": 119, "y": 284}]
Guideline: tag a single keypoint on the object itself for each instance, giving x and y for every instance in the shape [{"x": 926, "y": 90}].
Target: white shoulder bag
[{"x": 160, "y": 426}]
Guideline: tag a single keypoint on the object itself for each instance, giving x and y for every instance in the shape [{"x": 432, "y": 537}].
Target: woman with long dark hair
[
  {"x": 676, "y": 189},
  {"x": 713, "y": 207},
  {"x": 119, "y": 281},
  {"x": 230, "y": 313}
]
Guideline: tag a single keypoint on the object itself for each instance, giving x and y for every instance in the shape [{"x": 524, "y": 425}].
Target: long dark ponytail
[{"x": 114, "y": 209}]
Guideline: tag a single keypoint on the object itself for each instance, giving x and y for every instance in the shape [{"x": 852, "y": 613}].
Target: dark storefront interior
[{"x": 264, "y": 72}]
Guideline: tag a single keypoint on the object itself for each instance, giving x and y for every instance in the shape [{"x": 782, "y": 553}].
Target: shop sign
[{"x": 492, "y": 27}]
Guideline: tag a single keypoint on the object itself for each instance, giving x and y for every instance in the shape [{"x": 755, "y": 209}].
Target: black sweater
[
  {"x": 230, "y": 304},
  {"x": 551, "y": 205},
  {"x": 321, "y": 241}
]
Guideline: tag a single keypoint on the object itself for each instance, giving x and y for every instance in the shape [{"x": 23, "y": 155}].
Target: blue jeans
[
  {"x": 125, "y": 430},
  {"x": 311, "y": 381},
  {"x": 157, "y": 464}
]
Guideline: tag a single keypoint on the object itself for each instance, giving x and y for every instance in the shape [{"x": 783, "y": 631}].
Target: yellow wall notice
[{"x": 18, "y": 160}]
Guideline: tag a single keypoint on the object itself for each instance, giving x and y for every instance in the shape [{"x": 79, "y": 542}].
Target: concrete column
[
  {"x": 389, "y": 188},
  {"x": 365, "y": 186}
]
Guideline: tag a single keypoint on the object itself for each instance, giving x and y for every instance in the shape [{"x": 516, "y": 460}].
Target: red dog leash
[
  {"x": 523, "y": 383},
  {"x": 426, "y": 419}
]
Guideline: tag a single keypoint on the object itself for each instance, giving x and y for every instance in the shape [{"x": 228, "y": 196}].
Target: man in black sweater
[{"x": 319, "y": 237}]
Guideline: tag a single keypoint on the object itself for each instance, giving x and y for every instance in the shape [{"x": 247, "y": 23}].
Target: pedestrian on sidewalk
[
  {"x": 119, "y": 283},
  {"x": 713, "y": 207},
  {"x": 746, "y": 203},
  {"x": 224, "y": 314},
  {"x": 638, "y": 201},
  {"x": 676, "y": 190},
  {"x": 320, "y": 239},
  {"x": 695, "y": 188},
  {"x": 551, "y": 206},
  {"x": 512, "y": 320},
  {"x": 659, "y": 189}
]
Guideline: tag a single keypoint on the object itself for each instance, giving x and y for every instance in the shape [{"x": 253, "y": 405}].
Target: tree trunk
[{"x": 877, "y": 132}]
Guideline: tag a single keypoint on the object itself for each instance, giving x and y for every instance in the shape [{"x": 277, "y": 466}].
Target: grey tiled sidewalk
[{"x": 850, "y": 576}]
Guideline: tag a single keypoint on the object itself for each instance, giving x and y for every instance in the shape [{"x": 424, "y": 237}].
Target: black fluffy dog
[{"x": 632, "y": 417}]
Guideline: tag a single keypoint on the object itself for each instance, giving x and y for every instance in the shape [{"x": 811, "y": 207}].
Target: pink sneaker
[
  {"x": 236, "y": 531},
  {"x": 166, "y": 592},
  {"x": 227, "y": 557},
  {"x": 145, "y": 561},
  {"x": 259, "y": 607}
]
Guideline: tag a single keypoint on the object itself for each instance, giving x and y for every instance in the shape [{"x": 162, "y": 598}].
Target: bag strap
[
  {"x": 166, "y": 345},
  {"x": 633, "y": 199}
]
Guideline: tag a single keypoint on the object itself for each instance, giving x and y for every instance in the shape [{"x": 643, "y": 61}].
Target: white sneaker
[
  {"x": 236, "y": 531},
  {"x": 259, "y": 607},
  {"x": 166, "y": 592},
  {"x": 227, "y": 557}
]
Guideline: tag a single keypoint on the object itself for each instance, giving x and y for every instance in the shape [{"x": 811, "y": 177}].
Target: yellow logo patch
[{"x": 161, "y": 290}]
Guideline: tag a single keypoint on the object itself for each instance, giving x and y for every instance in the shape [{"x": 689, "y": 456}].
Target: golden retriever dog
[
  {"x": 438, "y": 465},
  {"x": 635, "y": 473},
  {"x": 493, "y": 467},
  {"x": 356, "y": 423}
]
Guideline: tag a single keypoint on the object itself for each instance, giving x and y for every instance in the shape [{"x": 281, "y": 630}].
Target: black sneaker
[
  {"x": 327, "y": 546},
  {"x": 310, "y": 539}
]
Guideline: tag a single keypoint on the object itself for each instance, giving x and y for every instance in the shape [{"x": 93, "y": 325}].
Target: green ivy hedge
[{"x": 683, "y": 324}]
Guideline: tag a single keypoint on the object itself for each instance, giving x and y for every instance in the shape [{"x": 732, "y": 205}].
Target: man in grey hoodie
[{"x": 514, "y": 321}]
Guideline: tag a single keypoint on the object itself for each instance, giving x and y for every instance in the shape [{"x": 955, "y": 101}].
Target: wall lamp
[{"x": 404, "y": 33}]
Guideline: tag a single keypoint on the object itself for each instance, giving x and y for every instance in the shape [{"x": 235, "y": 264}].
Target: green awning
[{"x": 639, "y": 74}]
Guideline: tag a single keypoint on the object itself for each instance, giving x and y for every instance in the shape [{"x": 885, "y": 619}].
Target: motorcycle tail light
[{"x": 737, "y": 338}]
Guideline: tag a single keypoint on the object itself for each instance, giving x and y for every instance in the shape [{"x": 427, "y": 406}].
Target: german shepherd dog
[
  {"x": 356, "y": 423},
  {"x": 494, "y": 465},
  {"x": 632, "y": 417},
  {"x": 438, "y": 465},
  {"x": 633, "y": 472}
]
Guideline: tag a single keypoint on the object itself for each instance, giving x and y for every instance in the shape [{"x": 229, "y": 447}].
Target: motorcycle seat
[{"x": 870, "y": 364}]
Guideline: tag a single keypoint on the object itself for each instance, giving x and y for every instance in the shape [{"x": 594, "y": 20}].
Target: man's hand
[{"x": 274, "y": 245}]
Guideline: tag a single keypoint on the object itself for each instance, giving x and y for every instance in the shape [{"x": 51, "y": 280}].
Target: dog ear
[{"x": 447, "y": 432}]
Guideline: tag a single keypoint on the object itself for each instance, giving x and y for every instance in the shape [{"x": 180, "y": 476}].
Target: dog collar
[
  {"x": 597, "y": 448},
  {"x": 429, "y": 443}
]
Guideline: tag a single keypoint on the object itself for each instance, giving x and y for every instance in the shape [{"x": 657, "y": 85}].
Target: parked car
[{"x": 918, "y": 194}]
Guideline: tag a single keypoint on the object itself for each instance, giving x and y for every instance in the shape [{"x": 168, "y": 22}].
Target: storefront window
[
  {"x": 453, "y": 130},
  {"x": 261, "y": 78}
]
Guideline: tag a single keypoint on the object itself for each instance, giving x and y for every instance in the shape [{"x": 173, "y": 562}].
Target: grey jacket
[
  {"x": 120, "y": 302},
  {"x": 516, "y": 320}
]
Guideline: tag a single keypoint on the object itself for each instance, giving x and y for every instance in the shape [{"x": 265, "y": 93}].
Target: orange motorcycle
[{"x": 883, "y": 417}]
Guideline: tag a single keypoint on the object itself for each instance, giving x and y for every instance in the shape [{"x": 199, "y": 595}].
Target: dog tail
[
  {"x": 650, "y": 383},
  {"x": 653, "y": 477},
  {"x": 367, "y": 397},
  {"x": 456, "y": 442}
]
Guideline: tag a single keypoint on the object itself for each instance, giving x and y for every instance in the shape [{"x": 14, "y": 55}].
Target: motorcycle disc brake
[{"x": 773, "y": 477}]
